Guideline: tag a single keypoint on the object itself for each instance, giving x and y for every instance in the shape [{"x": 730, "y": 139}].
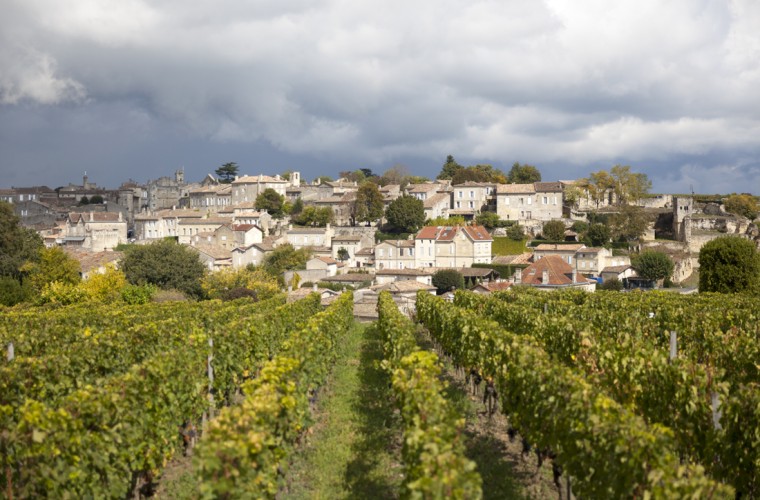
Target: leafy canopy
[
  {"x": 554, "y": 230},
  {"x": 446, "y": 279},
  {"x": 405, "y": 214},
  {"x": 271, "y": 201},
  {"x": 653, "y": 265},
  {"x": 227, "y": 172},
  {"x": 165, "y": 264},
  {"x": 742, "y": 204},
  {"x": 17, "y": 244},
  {"x": 729, "y": 264},
  {"x": 218, "y": 285},
  {"x": 368, "y": 206},
  {"x": 523, "y": 174}
]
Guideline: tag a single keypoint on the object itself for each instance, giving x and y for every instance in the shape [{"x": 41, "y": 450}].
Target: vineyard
[{"x": 626, "y": 395}]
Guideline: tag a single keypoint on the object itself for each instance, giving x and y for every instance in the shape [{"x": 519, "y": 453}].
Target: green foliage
[
  {"x": 96, "y": 199},
  {"x": 17, "y": 244},
  {"x": 405, "y": 214},
  {"x": 217, "y": 285},
  {"x": 272, "y": 202},
  {"x": 166, "y": 264},
  {"x": 629, "y": 223},
  {"x": 104, "y": 287},
  {"x": 435, "y": 464},
  {"x": 653, "y": 265},
  {"x": 515, "y": 232},
  {"x": 446, "y": 280},
  {"x": 742, "y": 204},
  {"x": 449, "y": 168},
  {"x": 523, "y": 174},
  {"x": 11, "y": 291},
  {"x": 343, "y": 254},
  {"x": 245, "y": 447},
  {"x": 729, "y": 264},
  {"x": 479, "y": 173},
  {"x": 612, "y": 284},
  {"x": 54, "y": 264},
  {"x": 580, "y": 226},
  {"x": 554, "y": 230},
  {"x": 286, "y": 258},
  {"x": 138, "y": 294},
  {"x": 61, "y": 293},
  {"x": 227, "y": 172},
  {"x": 488, "y": 219},
  {"x": 598, "y": 234},
  {"x": 369, "y": 205},
  {"x": 84, "y": 200},
  {"x": 455, "y": 220},
  {"x": 315, "y": 216},
  {"x": 297, "y": 207}
]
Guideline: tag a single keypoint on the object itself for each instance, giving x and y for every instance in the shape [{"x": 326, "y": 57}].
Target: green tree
[
  {"x": 447, "y": 279},
  {"x": 515, "y": 232},
  {"x": 297, "y": 207},
  {"x": 272, "y": 202},
  {"x": 165, "y": 264},
  {"x": 523, "y": 174},
  {"x": 227, "y": 172},
  {"x": 554, "y": 230},
  {"x": 487, "y": 219},
  {"x": 286, "y": 258},
  {"x": 479, "y": 173},
  {"x": 653, "y": 265},
  {"x": 449, "y": 168},
  {"x": 368, "y": 206},
  {"x": 629, "y": 223},
  {"x": 84, "y": 200},
  {"x": 729, "y": 264},
  {"x": 454, "y": 220},
  {"x": 629, "y": 186},
  {"x": 11, "y": 291},
  {"x": 598, "y": 234},
  {"x": 742, "y": 204},
  {"x": 612, "y": 284},
  {"x": 405, "y": 214},
  {"x": 54, "y": 265},
  {"x": 96, "y": 199},
  {"x": 18, "y": 244},
  {"x": 343, "y": 254},
  {"x": 313, "y": 216}
]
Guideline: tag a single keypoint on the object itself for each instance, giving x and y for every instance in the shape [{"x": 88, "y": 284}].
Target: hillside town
[{"x": 229, "y": 220}]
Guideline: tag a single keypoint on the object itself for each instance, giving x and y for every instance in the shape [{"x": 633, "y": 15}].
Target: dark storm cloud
[{"x": 142, "y": 88}]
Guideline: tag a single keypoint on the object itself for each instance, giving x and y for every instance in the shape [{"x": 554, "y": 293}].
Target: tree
[
  {"x": 18, "y": 244},
  {"x": 226, "y": 282},
  {"x": 286, "y": 258},
  {"x": 729, "y": 264},
  {"x": 515, "y": 232},
  {"x": 368, "y": 206},
  {"x": 454, "y": 220},
  {"x": 84, "y": 200},
  {"x": 598, "y": 234},
  {"x": 487, "y": 219},
  {"x": 105, "y": 287},
  {"x": 96, "y": 199},
  {"x": 227, "y": 172},
  {"x": 397, "y": 174},
  {"x": 343, "y": 254},
  {"x": 313, "y": 216},
  {"x": 598, "y": 184},
  {"x": 653, "y": 265},
  {"x": 11, "y": 291},
  {"x": 447, "y": 279},
  {"x": 627, "y": 185},
  {"x": 612, "y": 284},
  {"x": 449, "y": 168},
  {"x": 54, "y": 265},
  {"x": 297, "y": 207},
  {"x": 554, "y": 230},
  {"x": 271, "y": 201},
  {"x": 165, "y": 264},
  {"x": 629, "y": 223},
  {"x": 742, "y": 204},
  {"x": 523, "y": 174},
  {"x": 479, "y": 173},
  {"x": 405, "y": 214}
]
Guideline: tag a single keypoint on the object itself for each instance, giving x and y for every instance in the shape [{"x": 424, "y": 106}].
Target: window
[
  {"x": 530, "y": 200},
  {"x": 390, "y": 252},
  {"x": 546, "y": 200},
  {"x": 401, "y": 252},
  {"x": 451, "y": 249},
  {"x": 460, "y": 194},
  {"x": 555, "y": 200},
  {"x": 472, "y": 204},
  {"x": 583, "y": 264},
  {"x": 472, "y": 194},
  {"x": 506, "y": 200},
  {"x": 381, "y": 252},
  {"x": 521, "y": 200}
]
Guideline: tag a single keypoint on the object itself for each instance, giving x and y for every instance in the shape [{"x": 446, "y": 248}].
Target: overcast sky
[{"x": 137, "y": 89}]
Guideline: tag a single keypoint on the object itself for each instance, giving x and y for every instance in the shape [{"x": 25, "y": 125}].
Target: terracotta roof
[
  {"x": 347, "y": 237},
  {"x": 92, "y": 260},
  {"x": 349, "y": 278},
  {"x": 327, "y": 260},
  {"x": 210, "y": 221},
  {"x": 559, "y": 272},
  {"x": 477, "y": 233},
  {"x": 616, "y": 269},
  {"x": 427, "y": 233},
  {"x": 515, "y": 189},
  {"x": 548, "y": 187},
  {"x": 215, "y": 251},
  {"x": 475, "y": 184},
  {"x": 244, "y": 227},
  {"x": 554, "y": 247},
  {"x": 366, "y": 251},
  {"x": 403, "y": 286},
  {"x": 523, "y": 258},
  {"x": 405, "y": 272}
]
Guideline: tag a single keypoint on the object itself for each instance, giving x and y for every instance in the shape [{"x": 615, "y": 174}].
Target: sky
[{"x": 136, "y": 89}]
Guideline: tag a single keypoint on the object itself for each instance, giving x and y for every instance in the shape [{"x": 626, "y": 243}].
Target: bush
[
  {"x": 612, "y": 284},
  {"x": 61, "y": 293},
  {"x": 11, "y": 291},
  {"x": 554, "y": 230},
  {"x": 489, "y": 220},
  {"x": 653, "y": 265},
  {"x": 446, "y": 279},
  {"x": 261, "y": 284},
  {"x": 138, "y": 294},
  {"x": 239, "y": 293},
  {"x": 105, "y": 287},
  {"x": 167, "y": 265},
  {"x": 729, "y": 264},
  {"x": 515, "y": 232}
]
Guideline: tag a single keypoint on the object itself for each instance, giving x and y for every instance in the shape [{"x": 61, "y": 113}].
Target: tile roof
[
  {"x": 403, "y": 286},
  {"x": 548, "y": 187},
  {"x": 255, "y": 179},
  {"x": 616, "y": 269},
  {"x": 515, "y": 189},
  {"x": 349, "y": 278},
  {"x": 405, "y": 272},
  {"x": 437, "y": 198},
  {"x": 478, "y": 233},
  {"x": 92, "y": 260},
  {"x": 347, "y": 237},
  {"x": 554, "y": 247},
  {"x": 215, "y": 251},
  {"x": 399, "y": 243},
  {"x": 75, "y": 217},
  {"x": 523, "y": 258},
  {"x": 559, "y": 272}
]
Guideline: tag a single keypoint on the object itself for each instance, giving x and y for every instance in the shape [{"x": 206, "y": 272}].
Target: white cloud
[{"x": 28, "y": 74}]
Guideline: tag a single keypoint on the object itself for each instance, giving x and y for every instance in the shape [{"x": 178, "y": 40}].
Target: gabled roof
[
  {"x": 75, "y": 217},
  {"x": 616, "y": 269},
  {"x": 477, "y": 233},
  {"x": 398, "y": 243},
  {"x": 425, "y": 187},
  {"x": 347, "y": 237},
  {"x": 494, "y": 286},
  {"x": 214, "y": 251},
  {"x": 559, "y": 272},
  {"x": 245, "y": 227},
  {"x": 521, "y": 259},
  {"x": 475, "y": 184},
  {"x": 403, "y": 286},
  {"x": 437, "y": 198},
  {"x": 255, "y": 179},
  {"x": 515, "y": 189},
  {"x": 327, "y": 260},
  {"x": 548, "y": 187}
]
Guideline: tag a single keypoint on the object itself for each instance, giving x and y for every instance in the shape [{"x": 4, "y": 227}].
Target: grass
[
  {"x": 506, "y": 246},
  {"x": 354, "y": 450}
]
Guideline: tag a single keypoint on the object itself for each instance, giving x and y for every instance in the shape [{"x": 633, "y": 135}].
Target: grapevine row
[
  {"x": 608, "y": 450},
  {"x": 433, "y": 452}
]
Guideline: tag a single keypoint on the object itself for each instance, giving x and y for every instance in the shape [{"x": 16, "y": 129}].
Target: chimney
[
  {"x": 575, "y": 276},
  {"x": 545, "y": 278}
]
